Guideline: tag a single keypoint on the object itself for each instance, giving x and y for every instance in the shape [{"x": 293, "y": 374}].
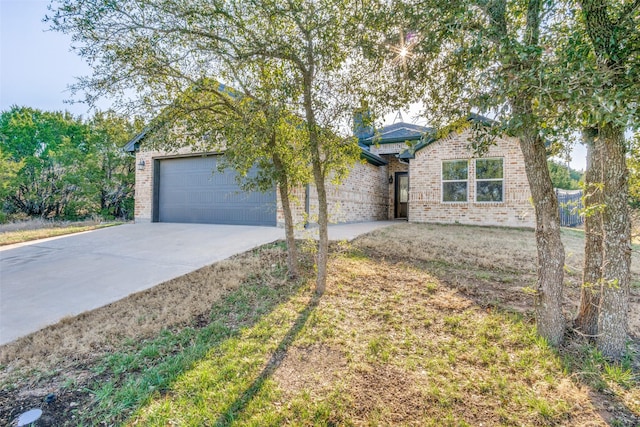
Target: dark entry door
[{"x": 402, "y": 194}]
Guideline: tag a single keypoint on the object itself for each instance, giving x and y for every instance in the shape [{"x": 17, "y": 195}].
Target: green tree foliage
[
  {"x": 254, "y": 127},
  {"x": 486, "y": 55},
  {"x": 593, "y": 83},
  {"x": 563, "y": 176},
  {"x": 112, "y": 169},
  {"x": 9, "y": 169},
  {"x": 60, "y": 164},
  {"x": 52, "y": 181}
]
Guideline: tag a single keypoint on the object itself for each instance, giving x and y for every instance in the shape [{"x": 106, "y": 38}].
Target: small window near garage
[
  {"x": 489, "y": 180},
  {"x": 455, "y": 179}
]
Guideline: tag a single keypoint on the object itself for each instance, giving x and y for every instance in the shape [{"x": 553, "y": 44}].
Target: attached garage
[{"x": 192, "y": 190}]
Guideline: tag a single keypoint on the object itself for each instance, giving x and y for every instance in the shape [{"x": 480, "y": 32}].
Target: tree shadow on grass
[
  {"x": 173, "y": 352},
  {"x": 486, "y": 288},
  {"x": 230, "y": 414}
]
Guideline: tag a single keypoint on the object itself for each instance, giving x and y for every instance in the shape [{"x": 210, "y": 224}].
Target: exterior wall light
[
  {"x": 390, "y": 179},
  {"x": 141, "y": 165}
]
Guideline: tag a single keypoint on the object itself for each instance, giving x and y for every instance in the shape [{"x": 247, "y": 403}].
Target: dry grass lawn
[
  {"x": 25, "y": 231},
  {"x": 421, "y": 325}
]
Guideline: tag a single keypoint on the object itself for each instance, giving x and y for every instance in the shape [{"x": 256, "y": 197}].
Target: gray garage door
[{"x": 191, "y": 189}]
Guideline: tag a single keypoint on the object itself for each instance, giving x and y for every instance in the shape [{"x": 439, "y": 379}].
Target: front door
[{"x": 402, "y": 194}]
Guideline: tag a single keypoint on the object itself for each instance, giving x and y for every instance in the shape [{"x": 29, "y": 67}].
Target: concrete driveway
[
  {"x": 47, "y": 280},
  {"x": 43, "y": 282}
]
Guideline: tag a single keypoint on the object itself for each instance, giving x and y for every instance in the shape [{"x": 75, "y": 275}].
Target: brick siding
[
  {"x": 144, "y": 186},
  {"x": 362, "y": 196},
  {"x": 425, "y": 185},
  {"x": 391, "y": 148},
  {"x": 366, "y": 195}
]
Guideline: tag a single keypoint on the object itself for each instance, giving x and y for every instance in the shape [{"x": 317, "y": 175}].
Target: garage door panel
[{"x": 193, "y": 190}]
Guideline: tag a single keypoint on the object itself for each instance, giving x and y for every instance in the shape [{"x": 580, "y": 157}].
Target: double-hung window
[
  {"x": 455, "y": 180},
  {"x": 489, "y": 180}
]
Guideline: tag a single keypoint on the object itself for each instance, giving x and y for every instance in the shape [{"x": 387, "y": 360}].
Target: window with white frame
[
  {"x": 455, "y": 179},
  {"x": 489, "y": 180}
]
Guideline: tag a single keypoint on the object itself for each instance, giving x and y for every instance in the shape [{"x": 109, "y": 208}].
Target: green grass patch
[
  {"x": 142, "y": 370},
  {"x": 364, "y": 355}
]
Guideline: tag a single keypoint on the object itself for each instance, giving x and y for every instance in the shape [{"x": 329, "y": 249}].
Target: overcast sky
[{"x": 37, "y": 66}]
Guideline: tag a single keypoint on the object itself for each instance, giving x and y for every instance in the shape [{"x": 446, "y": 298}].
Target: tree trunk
[
  {"x": 604, "y": 31},
  {"x": 587, "y": 320},
  {"x": 292, "y": 250},
  {"x": 318, "y": 177},
  {"x": 323, "y": 220},
  {"x": 549, "y": 317},
  {"x": 614, "y": 301}
]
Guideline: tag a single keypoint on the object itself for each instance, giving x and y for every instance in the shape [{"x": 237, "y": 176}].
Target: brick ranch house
[{"x": 439, "y": 182}]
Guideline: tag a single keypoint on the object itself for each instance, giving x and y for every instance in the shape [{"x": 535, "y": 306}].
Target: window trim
[
  {"x": 476, "y": 180},
  {"x": 443, "y": 181}
]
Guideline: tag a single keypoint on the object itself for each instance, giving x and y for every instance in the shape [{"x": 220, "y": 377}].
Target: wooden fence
[{"x": 570, "y": 207}]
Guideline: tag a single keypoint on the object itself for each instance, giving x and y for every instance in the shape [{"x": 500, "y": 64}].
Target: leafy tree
[
  {"x": 51, "y": 148},
  {"x": 487, "y": 55},
  {"x": 267, "y": 133},
  {"x": 254, "y": 128},
  {"x": 595, "y": 77},
  {"x": 60, "y": 167},
  {"x": 563, "y": 176},
  {"x": 112, "y": 170},
  {"x": 161, "y": 48}
]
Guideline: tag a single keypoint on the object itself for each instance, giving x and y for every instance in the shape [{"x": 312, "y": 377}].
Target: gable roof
[
  {"x": 397, "y": 132},
  {"x": 431, "y": 137},
  {"x": 134, "y": 143}
]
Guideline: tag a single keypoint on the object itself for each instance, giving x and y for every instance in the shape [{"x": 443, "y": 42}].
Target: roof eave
[
  {"x": 392, "y": 140},
  {"x": 134, "y": 144},
  {"x": 422, "y": 144},
  {"x": 372, "y": 158},
  {"x": 406, "y": 155}
]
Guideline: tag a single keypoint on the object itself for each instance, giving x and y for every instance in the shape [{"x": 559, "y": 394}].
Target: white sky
[{"x": 37, "y": 66}]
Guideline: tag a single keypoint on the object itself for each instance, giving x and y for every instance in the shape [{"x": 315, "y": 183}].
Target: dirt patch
[
  {"x": 294, "y": 373},
  {"x": 389, "y": 392},
  {"x": 58, "y": 407}
]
